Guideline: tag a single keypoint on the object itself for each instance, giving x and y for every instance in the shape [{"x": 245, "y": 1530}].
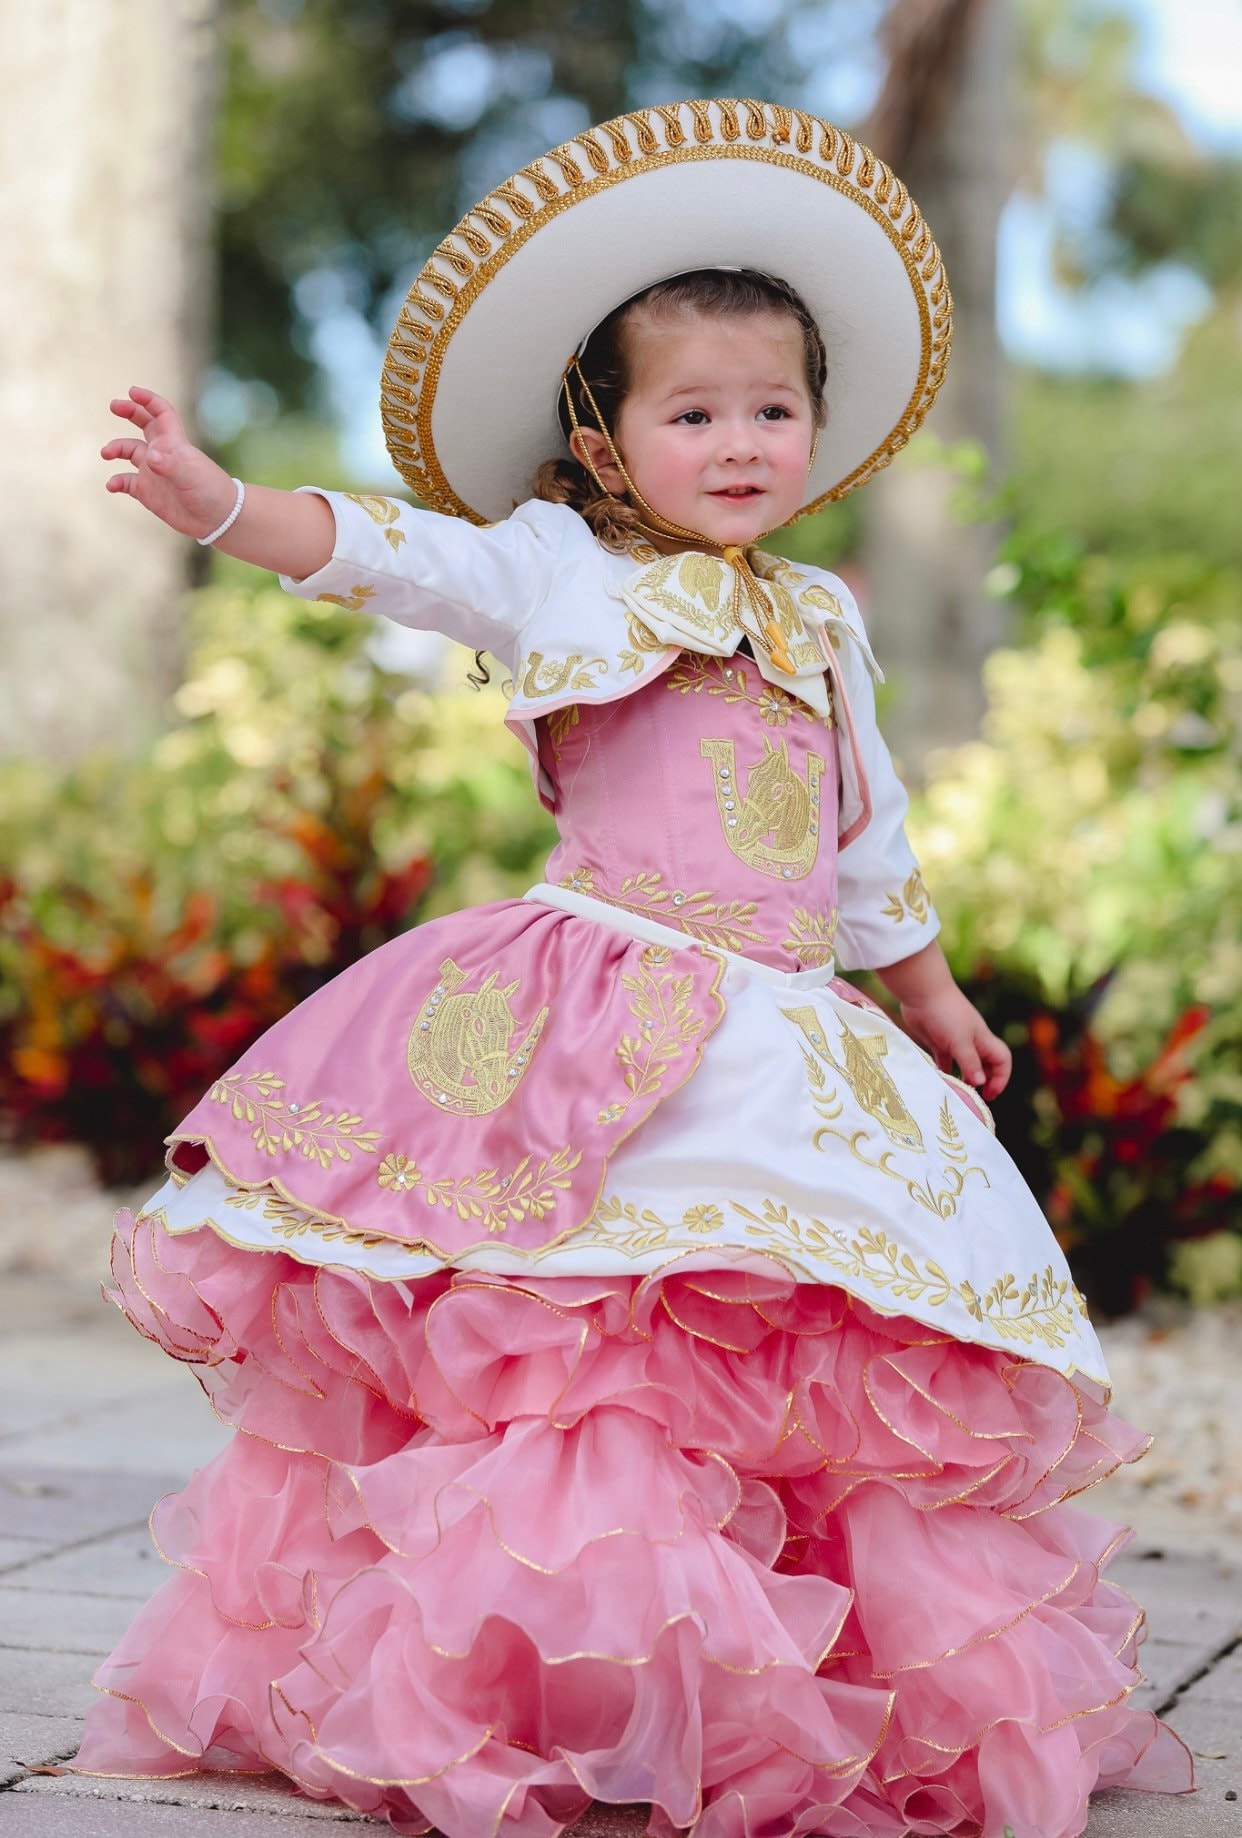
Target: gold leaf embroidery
[
  {"x": 703, "y": 915},
  {"x": 660, "y": 1003},
  {"x": 691, "y": 675},
  {"x": 382, "y": 511},
  {"x": 811, "y": 936},
  {"x": 353, "y": 601},
  {"x": 496, "y": 1200},
  {"x": 774, "y": 826},
  {"x": 284, "y": 1127},
  {"x": 527, "y": 1192},
  {"x": 553, "y": 676},
  {"x": 462, "y": 1054},
  {"x": 916, "y": 900},
  {"x": 559, "y": 724}
]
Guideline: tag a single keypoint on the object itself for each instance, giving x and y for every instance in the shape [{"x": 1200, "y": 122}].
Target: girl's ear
[{"x": 590, "y": 449}]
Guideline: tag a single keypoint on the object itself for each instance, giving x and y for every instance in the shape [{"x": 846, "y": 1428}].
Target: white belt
[{"x": 637, "y": 925}]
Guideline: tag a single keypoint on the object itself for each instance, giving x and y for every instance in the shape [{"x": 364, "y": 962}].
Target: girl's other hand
[
  {"x": 954, "y": 1032},
  {"x": 172, "y": 478}
]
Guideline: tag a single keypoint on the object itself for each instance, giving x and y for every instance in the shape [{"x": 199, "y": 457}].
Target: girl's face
[{"x": 717, "y": 425}]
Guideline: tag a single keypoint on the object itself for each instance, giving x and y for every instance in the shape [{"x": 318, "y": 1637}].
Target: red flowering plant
[{"x": 159, "y": 913}]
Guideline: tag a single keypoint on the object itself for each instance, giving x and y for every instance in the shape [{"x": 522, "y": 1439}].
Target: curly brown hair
[{"x": 605, "y": 365}]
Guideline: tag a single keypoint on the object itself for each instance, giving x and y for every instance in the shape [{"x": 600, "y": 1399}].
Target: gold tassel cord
[{"x": 749, "y": 595}]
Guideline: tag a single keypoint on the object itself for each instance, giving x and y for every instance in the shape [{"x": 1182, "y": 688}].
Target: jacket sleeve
[
  {"x": 420, "y": 568},
  {"x": 886, "y": 913}
]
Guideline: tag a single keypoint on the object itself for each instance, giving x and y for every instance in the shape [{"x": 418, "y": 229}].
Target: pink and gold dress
[{"x": 655, "y": 1383}]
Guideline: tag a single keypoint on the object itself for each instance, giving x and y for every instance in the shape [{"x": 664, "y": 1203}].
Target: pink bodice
[{"x": 706, "y": 800}]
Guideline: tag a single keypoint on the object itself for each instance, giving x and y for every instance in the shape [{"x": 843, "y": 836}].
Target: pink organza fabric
[{"x": 736, "y": 1547}]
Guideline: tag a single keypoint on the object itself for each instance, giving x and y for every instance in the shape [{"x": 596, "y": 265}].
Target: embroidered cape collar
[{"x": 692, "y": 600}]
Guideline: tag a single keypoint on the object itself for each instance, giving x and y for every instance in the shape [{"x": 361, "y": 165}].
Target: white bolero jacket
[{"x": 561, "y": 613}]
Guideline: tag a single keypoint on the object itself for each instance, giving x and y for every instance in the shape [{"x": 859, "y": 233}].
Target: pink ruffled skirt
[{"x": 487, "y": 1549}]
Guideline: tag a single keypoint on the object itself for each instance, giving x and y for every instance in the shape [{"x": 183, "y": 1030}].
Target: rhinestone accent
[{"x": 679, "y": 899}]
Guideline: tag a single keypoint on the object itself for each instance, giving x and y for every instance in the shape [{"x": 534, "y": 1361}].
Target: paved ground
[{"x": 94, "y": 1425}]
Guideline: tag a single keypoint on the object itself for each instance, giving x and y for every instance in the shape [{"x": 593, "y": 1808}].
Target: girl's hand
[
  {"x": 951, "y": 1028},
  {"x": 171, "y": 478}
]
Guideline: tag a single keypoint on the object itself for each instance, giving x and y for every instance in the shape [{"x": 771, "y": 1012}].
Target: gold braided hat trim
[{"x": 471, "y": 377}]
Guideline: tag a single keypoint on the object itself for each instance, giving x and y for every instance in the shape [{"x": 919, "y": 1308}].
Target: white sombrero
[{"x": 473, "y": 371}]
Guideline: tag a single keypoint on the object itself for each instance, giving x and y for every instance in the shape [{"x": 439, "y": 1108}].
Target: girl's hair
[{"x": 606, "y": 365}]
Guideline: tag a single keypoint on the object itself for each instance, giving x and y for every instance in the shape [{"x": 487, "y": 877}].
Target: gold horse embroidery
[
  {"x": 462, "y": 1054},
  {"x": 774, "y": 825},
  {"x": 872, "y": 1086}
]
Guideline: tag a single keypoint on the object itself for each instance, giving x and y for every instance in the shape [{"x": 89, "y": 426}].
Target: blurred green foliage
[{"x": 1086, "y": 857}]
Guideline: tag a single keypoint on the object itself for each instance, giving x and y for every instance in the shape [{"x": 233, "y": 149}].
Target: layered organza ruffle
[{"x": 486, "y": 1549}]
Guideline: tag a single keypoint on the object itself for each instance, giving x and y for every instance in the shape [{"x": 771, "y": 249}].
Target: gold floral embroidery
[
  {"x": 811, "y": 936},
  {"x": 399, "y": 1173},
  {"x": 916, "y": 900},
  {"x": 703, "y": 1218},
  {"x": 667, "y": 1024},
  {"x": 496, "y": 1200},
  {"x": 461, "y": 1051},
  {"x": 643, "y": 640},
  {"x": 353, "y": 601},
  {"x": 283, "y": 1126},
  {"x": 691, "y": 675},
  {"x": 1040, "y": 1311},
  {"x": 382, "y": 511},
  {"x": 778, "y": 804},
  {"x": 544, "y": 677},
  {"x": 1043, "y": 1310},
  {"x": 726, "y": 925},
  {"x": 872, "y": 1086}
]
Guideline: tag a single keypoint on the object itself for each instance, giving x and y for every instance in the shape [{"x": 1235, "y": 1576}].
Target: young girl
[{"x": 655, "y": 1382}]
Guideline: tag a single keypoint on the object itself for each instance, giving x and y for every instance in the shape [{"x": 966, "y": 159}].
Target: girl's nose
[{"x": 738, "y": 442}]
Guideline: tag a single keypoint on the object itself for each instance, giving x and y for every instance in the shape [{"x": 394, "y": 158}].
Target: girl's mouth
[{"x": 738, "y": 493}]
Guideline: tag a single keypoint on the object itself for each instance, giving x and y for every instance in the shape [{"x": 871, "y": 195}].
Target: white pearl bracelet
[{"x": 230, "y": 520}]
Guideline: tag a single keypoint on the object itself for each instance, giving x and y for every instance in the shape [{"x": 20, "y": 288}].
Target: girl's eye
[
  {"x": 693, "y": 418},
  {"x": 774, "y": 412}
]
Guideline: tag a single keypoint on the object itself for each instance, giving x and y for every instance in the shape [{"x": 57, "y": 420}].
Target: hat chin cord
[{"x": 749, "y": 597}]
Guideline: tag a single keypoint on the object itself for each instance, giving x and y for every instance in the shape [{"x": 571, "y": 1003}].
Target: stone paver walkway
[{"x": 94, "y": 1425}]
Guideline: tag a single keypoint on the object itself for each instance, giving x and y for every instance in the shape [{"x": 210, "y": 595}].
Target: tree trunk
[
  {"x": 943, "y": 123},
  {"x": 105, "y": 144}
]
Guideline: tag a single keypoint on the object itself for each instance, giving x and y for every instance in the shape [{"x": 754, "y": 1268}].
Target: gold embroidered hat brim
[{"x": 473, "y": 369}]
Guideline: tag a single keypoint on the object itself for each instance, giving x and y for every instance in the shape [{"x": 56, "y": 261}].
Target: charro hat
[{"x": 474, "y": 365}]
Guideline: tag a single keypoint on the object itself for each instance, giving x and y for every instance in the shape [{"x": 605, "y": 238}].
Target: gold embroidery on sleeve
[
  {"x": 774, "y": 826},
  {"x": 353, "y": 601},
  {"x": 917, "y": 901},
  {"x": 283, "y": 1126},
  {"x": 382, "y": 511},
  {"x": 462, "y": 1054}
]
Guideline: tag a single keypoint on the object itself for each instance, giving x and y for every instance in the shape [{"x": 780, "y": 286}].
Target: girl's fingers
[
  {"x": 147, "y": 399},
  {"x": 120, "y": 449},
  {"x": 123, "y": 481}
]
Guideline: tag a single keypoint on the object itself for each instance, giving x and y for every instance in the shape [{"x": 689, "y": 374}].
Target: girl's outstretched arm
[{"x": 289, "y": 532}]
